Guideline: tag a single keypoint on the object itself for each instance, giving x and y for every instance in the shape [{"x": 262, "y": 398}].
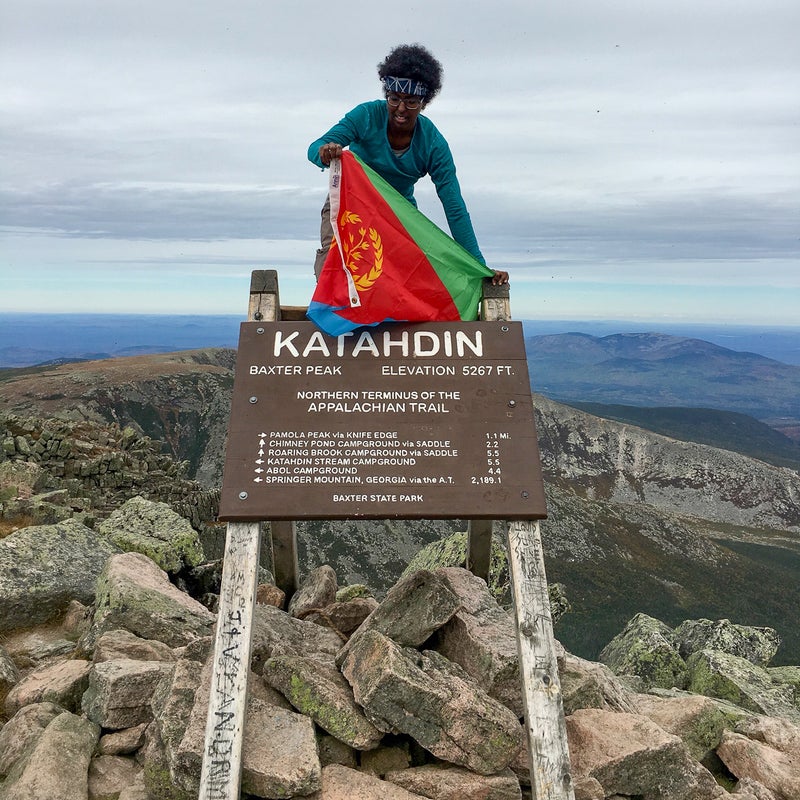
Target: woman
[{"x": 400, "y": 144}]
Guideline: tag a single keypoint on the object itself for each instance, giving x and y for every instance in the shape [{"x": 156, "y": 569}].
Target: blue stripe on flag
[{"x": 328, "y": 320}]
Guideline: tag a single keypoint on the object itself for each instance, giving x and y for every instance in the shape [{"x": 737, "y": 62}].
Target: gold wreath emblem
[{"x": 356, "y": 240}]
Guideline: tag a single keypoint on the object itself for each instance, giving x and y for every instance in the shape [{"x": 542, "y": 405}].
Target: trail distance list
[{"x": 427, "y": 420}]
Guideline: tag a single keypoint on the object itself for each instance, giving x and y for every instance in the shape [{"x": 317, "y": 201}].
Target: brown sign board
[{"x": 407, "y": 421}]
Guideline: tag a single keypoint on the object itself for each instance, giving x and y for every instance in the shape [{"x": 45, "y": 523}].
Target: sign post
[
  {"x": 402, "y": 420},
  {"x": 412, "y": 421}
]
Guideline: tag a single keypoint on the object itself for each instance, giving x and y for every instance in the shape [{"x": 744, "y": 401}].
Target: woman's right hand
[{"x": 328, "y": 152}]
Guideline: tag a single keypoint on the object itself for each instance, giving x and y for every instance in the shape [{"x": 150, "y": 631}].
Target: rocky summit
[
  {"x": 392, "y": 672},
  {"x": 637, "y": 522},
  {"x": 106, "y": 694}
]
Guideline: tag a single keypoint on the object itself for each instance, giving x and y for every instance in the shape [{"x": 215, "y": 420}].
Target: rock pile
[
  {"x": 53, "y": 470},
  {"x": 105, "y": 674},
  {"x": 708, "y": 657}
]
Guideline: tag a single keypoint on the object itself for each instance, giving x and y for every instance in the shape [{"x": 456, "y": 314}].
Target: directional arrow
[
  {"x": 257, "y": 480},
  {"x": 258, "y": 469},
  {"x": 259, "y": 461}
]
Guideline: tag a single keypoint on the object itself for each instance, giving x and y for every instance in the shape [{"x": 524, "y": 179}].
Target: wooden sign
[{"x": 424, "y": 420}]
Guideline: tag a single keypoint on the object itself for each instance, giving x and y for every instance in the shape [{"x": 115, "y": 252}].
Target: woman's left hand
[
  {"x": 500, "y": 277},
  {"x": 330, "y": 151}
]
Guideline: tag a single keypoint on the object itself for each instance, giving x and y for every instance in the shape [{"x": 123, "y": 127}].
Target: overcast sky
[{"x": 622, "y": 160}]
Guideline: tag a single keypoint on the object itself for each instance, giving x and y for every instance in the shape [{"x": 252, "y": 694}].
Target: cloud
[
  {"x": 601, "y": 138},
  {"x": 164, "y": 211}
]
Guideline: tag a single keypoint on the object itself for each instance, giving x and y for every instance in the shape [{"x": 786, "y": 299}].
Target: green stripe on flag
[{"x": 456, "y": 268}]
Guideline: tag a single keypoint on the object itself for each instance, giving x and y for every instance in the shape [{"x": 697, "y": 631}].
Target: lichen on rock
[
  {"x": 155, "y": 530},
  {"x": 646, "y": 648}
]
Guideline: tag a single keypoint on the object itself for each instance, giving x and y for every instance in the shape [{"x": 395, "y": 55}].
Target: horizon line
[{"x": 548, "y": 320}]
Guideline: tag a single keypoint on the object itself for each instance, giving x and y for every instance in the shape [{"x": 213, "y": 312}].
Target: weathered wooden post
[
  {"x": 281, "y": 536},
  {"x": 222, "y": 750},
  {"x": 541, "y": 687},
  {"x": 495, "y": 307},
  {"x": 264, "y": 304},
  {"x": 496, "y": 302},
  {"x": 222, "y": 754}
]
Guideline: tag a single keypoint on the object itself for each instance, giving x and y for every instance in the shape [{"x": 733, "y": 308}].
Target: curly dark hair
[{"x": 415, "y": 62}]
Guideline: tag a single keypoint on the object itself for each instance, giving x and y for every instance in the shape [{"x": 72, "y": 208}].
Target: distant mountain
[
  {"x": 29, "y": 339},
  {"x": 21, "y": 357},
  {"x": 636, "y": 521},
  {"x": 652, "y": 369},
  {"x": 781, "y": 343},
  {"x": 726, "y": 429},
  {"x": 676, "y": 529}
]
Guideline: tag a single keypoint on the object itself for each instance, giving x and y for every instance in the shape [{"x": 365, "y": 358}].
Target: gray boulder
[
  {"x": 21, "y": 479},
  {"x": 787, "y": 676},
  {"x": 135, "y": 594},
  {"x": 24, "y": 496},
  {"x": 23, "y": 730},
  {"x": 47, "y": 508},
  {"x": 117, "y": 644},
  {"x": 432, "y": 700},
  {"x": 62, "y": 682},
  {"x": 9, "y": 674},
  {"x": 446, "y": 782},
  {"x": 586, "y": 684},
  {"x": 43, "y": 568},
  {"x": 589, "y": 789},
  {"x": 731, "y": 713},
  {"x": 629, "y": 755},
  {"x": 279, "y": 756},
  {"x": 416, "y": 606},
  {"x": 275, "y": 633},
  {"x": 122, "y": 743},
  {"x": 757, "y": 645},
  {"x": 280, "y": 753},
  {"x": 136, "y": 791},
  {"x": 480, "y": 637},
  {"x": 773, "y": 764},
  {"x": 155, "y": 530},
  {"x": 739, "y": 681},
  {"x": 36, "y": 646},
  {"x": 119, "y": 692},
  {"x": 317, "y": 591},
  {"x": 647, "y": 649},
  {"x": 696, "y": 720},
  {"x": 749, "y": 789},
  {"x": 109, "y": 775},
  {"x": 58, "y": 764},
  {"x": 345, "y": 616},
  {"x": 172, "y": 705},
  {"x": 343, "y": 783},
  {"x": 451, "y": 551},
  {"x": 319, "y": 691}
]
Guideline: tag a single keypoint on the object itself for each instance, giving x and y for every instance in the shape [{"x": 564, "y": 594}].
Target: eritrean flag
[{"x": 388, "y": 262}]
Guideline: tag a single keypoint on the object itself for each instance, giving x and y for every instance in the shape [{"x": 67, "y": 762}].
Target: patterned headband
[{"x": 405, "y": 86}]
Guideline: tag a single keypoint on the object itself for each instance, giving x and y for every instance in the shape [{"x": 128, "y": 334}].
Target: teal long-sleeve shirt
[{"x": 363, "y": 130}]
